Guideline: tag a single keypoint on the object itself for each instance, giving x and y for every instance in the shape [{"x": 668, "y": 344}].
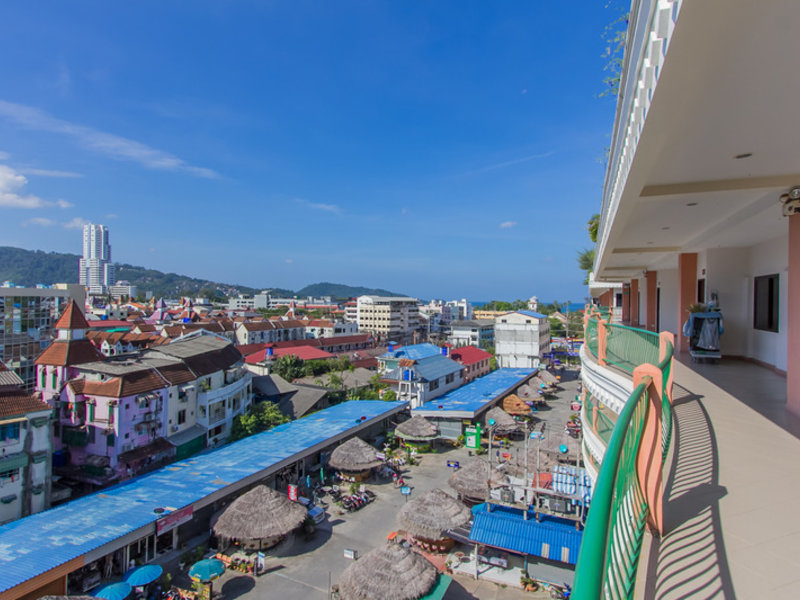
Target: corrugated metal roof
[
  {"x": 530, "y": 313},
  {"x": 551, "y": 538},
  {"x": 35, "y": 544},
  {"x": 414, "y": 352},
  {"x": 435, "y": 367},
  {"x": 475, "y": 395}
]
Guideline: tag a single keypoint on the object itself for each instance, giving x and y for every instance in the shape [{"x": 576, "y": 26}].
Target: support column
[
  {"x": 687, "y": 293},
  {"x": 651, "y": 281},
  {"x": 635, "y": 302},
  {"x": 607, "y": 299},
  {"x": 626, "y": 303},
  {"x": 793, "y": 328}
]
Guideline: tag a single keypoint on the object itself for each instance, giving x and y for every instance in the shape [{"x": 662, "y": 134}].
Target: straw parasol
[
  {"x": 262, "y": 513},
  {"x": 389, "y": 572},
  {"x": 431, "y": 514},
  {"x": 547, "y": 377},
  {"x": 514, "y": 405},
  {"x": 417, "y": 429},
  {"x": 354, "y": 455},
  {"x": 470, "y": 480},
  {"x": 516, "y": 466},
  {"x": 504, "y": 423}
]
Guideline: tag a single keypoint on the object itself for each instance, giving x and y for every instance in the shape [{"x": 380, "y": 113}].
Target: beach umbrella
[
  {"x": 431, "y": 514},
  {"x": 68, "y": 598},
  {"x": 260, "y": 514},
  {"x": 139, "y": 576},
  {"x": 389, "y": 572},
  {"x": 113, "y": 591},
  {"x": 206, "y": 571},
  {"x": 354, "y": 455}
]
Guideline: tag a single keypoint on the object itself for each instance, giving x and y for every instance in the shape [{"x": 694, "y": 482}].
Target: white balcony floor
[{"x": 733, "y": 485}]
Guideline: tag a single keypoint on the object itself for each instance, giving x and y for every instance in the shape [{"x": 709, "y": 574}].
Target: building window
[
  {"x": 765, "y": 303},
  {"x": 9, "y": 433},
  {"x": 181, "y": 417}
]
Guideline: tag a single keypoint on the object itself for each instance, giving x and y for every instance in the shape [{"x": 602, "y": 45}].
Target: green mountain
[
  {"x": 341, "y": 291},
  {"x": 29, "y": 267}
]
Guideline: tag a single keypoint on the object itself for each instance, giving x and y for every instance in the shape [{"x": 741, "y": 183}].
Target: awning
[
  {"x": 551, "y": 538},
  {"x": 440, "y": 589},
  {"x": 186, "y": 436},
  {"x": 13, "y": 461}
]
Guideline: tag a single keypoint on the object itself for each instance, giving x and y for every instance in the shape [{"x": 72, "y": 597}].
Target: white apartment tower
[{"x": 96, "y": 268}]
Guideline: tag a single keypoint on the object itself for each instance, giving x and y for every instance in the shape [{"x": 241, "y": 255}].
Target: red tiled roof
[
  {"x": 357, "y": 338},
  {"x": 129, "y": 384},
  {"x": 314, "y": 343},
  {"x": 72, "y": 318},
  {"x": 469, "y": 355},
  {"x": 69, "y": 352},
  {"x": 247, "y": 349},
  {"x": 17, "y": 403},
  {"x": 301, "y": 352}
]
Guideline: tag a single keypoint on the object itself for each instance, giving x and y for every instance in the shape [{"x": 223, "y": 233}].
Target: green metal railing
[
  {"x": 604, "y": 427},
  {"x": 628, "y": 347},
  {"x": 609, "y": 556},
  {"x": 590, "y": 336},
  {"x": 612, "y": 539}
]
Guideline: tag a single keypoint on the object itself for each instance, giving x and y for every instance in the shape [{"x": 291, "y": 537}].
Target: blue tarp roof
[
  {"x": 35, "y": 544},
  {"x": 475, "y": 395},
  {"x": 414, "y": 352},
  {"x": 435, "y": 367},
  {"x": 530, "y": 313},
  {"x": 550, "y": 537}
]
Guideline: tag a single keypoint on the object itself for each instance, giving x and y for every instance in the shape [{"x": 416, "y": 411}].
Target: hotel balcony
[{"x": 728, "y": 484}]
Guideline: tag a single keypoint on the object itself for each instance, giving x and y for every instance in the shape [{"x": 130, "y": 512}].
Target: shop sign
[
  {"x": 380, "y": 456},
  {"x": 292, "y": 492},
  {"x": 405, "y": 490},
  {"x": 173, "y": 519},
  {"x": 472, "y": 437}
]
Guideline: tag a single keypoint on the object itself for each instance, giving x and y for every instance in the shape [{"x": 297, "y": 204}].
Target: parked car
[{"x": 315, "y": 512}]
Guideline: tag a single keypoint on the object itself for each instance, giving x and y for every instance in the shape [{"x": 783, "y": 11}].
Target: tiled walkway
[{"x": 732, "y": 490}]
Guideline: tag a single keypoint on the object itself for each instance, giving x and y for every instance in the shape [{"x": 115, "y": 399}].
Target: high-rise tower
[{"x": 96, "y": 268}]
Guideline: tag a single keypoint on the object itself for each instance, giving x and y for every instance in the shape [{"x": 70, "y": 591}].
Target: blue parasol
[
  {"x": 139, "y": 576},
  {"x": 207, "y": 570},
  {"x": 113, "y": 591}
]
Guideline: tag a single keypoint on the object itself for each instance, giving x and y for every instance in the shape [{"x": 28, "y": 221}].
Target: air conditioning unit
[{"x": 175, "y": 428}]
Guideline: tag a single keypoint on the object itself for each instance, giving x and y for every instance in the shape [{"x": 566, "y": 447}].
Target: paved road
[{"x": 303, "y": 569}]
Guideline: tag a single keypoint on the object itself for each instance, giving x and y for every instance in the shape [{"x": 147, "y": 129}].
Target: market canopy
[
  {"x": 418, "y": 429},
  {"x": 262, "y": 513},
  {"x": 388, "y": 572},
  {"x": 432, "y": 514},
  {"x": 354, "y": 455}
]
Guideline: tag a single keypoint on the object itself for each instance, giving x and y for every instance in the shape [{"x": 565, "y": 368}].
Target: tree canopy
[{"x": 259, "y": 417}]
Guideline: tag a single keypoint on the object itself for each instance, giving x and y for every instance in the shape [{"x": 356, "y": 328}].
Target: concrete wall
[
  {"x": 766, "y": 259},
  {"x": 668, "y": 283}
]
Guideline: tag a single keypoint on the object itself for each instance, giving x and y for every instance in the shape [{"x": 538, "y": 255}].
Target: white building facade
[
  {"x": 521, "y": 339},
  {"x": 388, "y": 318},
  {"x": 96, "y": 269}
]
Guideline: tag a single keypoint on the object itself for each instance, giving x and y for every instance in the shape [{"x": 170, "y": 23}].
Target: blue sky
[{"x": 438, "y": 149}]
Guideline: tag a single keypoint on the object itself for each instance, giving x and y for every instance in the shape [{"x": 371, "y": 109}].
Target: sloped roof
[
  {"x": 72, "y": 318},
  {"x": 129, "y": 384},
  {"x": 69, "y": 352},
  {"x": 469, "y": 355},
  {"x": 273, "y": 385},
  {"x": 16, "y": 403},
  {"x": 301, "y": 352},
  {"x": 414, "y": 352},
  {"x": 435, "y": 367},
  {"x": 302, "y": 401}
]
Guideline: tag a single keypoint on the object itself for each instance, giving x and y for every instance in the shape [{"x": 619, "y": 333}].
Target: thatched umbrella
[
  {"x": 470, "y": 480},
  {"x": 504, "y": 423},
  {"x": 516, "y": 466},
  {"x": 260, "y": 514},
  {"x": 389, "y": 572},
  {"x": 417, "y": 429},
  {"x": 514, "y": 405},
  {"x": 547, "y": 377},
  {"x": 355, "y": 455},
  {"x": 431, "y": 514}
]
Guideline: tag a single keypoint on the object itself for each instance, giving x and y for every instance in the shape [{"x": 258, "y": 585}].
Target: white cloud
[
  {"x": 11, "y": 184},
  {"x": 331, "y": 208},
  {"x": 508, "y": 224},
  {"x": 64, "y": 204},
  {"x": 111, "y": 216},
  {"x": 49, "y": 173},
  {"x": 40, "y": 221},
  {"x": 4, "y": 155},
  {"x": 510, "y": 163},
  {"x": 111, "y": 145},
  {"x": 289, "y": 261},
  {"x": 76, "y": 223}
]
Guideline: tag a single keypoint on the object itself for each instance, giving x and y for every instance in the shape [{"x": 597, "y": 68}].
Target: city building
[
  {"x": 473, "y": 332},
  {"x": 460, "y": 310},
  {"x": 388, "y": 318},
  {"x": 521, "y": 338},
  {"x": 96, "y": 269},
  {"x": 270, "y": 331},
  {"x": 420, "y": 372},
  {"x": 27, "y": 316},
  {"x": 476, "y": 362},
  {"x": 25, "y": 450},
  {"x": 123, "y": 289}
]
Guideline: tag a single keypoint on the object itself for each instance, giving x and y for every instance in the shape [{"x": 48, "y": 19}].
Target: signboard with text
[
  {"x": 173, "y": 519},
  {"x": 292, "y": 492},
  {"x": 472, "y": 437},
  {"x": 405, "y": 490}
]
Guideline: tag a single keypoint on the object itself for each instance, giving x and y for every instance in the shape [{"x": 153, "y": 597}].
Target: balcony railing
[{"x": 629, "y": 486}]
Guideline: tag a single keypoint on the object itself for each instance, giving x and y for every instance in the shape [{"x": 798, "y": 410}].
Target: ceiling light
[
  {"x": 664, "y": 228},
  {"x": 691, "y": 204},
  {"x": 744, "y": 155}
]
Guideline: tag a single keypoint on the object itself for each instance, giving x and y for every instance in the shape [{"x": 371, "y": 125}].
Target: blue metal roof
[
  {"x": 475, "y": 395},
  {"x": 414, "y": 352},
  {"x": 435, "y": 367},
  {"x": 35, "y": 544},
  {"x": 506, "y": 528}
]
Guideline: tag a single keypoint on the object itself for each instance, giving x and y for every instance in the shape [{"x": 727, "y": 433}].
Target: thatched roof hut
[
  {"x": 470, "y": 480},
  {"x": 431, "y": 514},
  {"x": 417, "y": 429},
  {"x": 514, "y": 405},
  {"x": 355, "y": 455},
  {"x": 260, "y": 514},
  {"x": 388, "y": 572},
  {"x": 547, "y": 377},
  {"x": 516, "y": 465},
  {"x": 504, "y": 423}
]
